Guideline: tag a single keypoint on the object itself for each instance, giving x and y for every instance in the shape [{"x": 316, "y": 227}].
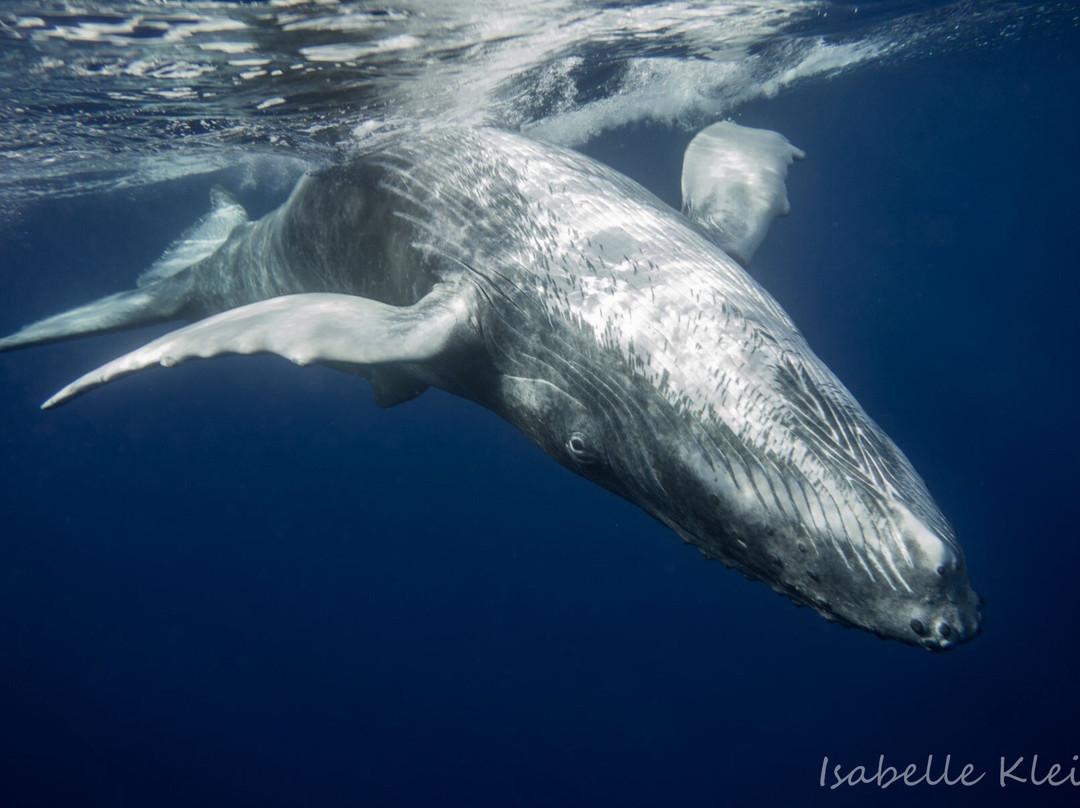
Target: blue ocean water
[{"x": 241, "y": 583}]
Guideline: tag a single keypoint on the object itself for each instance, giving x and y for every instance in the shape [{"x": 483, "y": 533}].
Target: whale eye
[{"x": 579, "y": 448}]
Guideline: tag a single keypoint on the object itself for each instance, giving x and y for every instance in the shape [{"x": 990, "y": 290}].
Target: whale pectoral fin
[
  {"x": 162, "y": 290},
  {"x": 136, "y": 307},
  {"x": 306, "y": 328},
  {"x": 733, "y": 184}
]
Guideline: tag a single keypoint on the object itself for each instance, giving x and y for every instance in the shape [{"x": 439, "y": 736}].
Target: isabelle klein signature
[{"x": 1010, "y": 771}]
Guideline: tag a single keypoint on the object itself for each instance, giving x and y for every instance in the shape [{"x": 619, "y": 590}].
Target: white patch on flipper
[{"x": 733, "y": 184}]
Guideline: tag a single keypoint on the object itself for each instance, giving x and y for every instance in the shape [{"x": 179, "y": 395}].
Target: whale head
[
  {"x": 778, "y": 473},
  {"x": 875, "y": 554},
  {"x": 811, "y": 497}
]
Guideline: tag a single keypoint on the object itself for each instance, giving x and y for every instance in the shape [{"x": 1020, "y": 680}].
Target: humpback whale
[{"x": 624, "y": 337}]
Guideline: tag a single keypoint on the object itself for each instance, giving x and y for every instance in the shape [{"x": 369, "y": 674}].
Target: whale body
[{"x": 611, "y": 329}]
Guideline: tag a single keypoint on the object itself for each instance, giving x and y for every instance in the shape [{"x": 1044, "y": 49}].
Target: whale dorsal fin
[
  {"x": 733, "y": 184},
  {"x": 200, "y": 240},
  {"x": 341, "y": 330}
]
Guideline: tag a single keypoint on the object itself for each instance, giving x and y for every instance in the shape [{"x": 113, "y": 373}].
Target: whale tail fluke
[
  {"x": 199, "y": 241},
  {"x": 162, "y": 291}
]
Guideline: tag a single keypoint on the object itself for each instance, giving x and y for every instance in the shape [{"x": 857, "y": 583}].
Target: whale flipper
[
  {"x": 136, "y": 307},
  {"x": 162, "y": 291},
  {"x": 305, "y": 328},
  {"x": 733, "y": 184}
]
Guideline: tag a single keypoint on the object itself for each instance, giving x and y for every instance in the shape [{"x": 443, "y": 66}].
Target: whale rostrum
[{"x": 621, "y": 336}]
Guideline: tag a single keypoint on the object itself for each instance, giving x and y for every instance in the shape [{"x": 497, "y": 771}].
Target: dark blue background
[{"x": 240, "y": 583}]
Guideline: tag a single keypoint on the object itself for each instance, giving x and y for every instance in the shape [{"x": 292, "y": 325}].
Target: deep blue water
[{"x": 241, "y": 583}]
